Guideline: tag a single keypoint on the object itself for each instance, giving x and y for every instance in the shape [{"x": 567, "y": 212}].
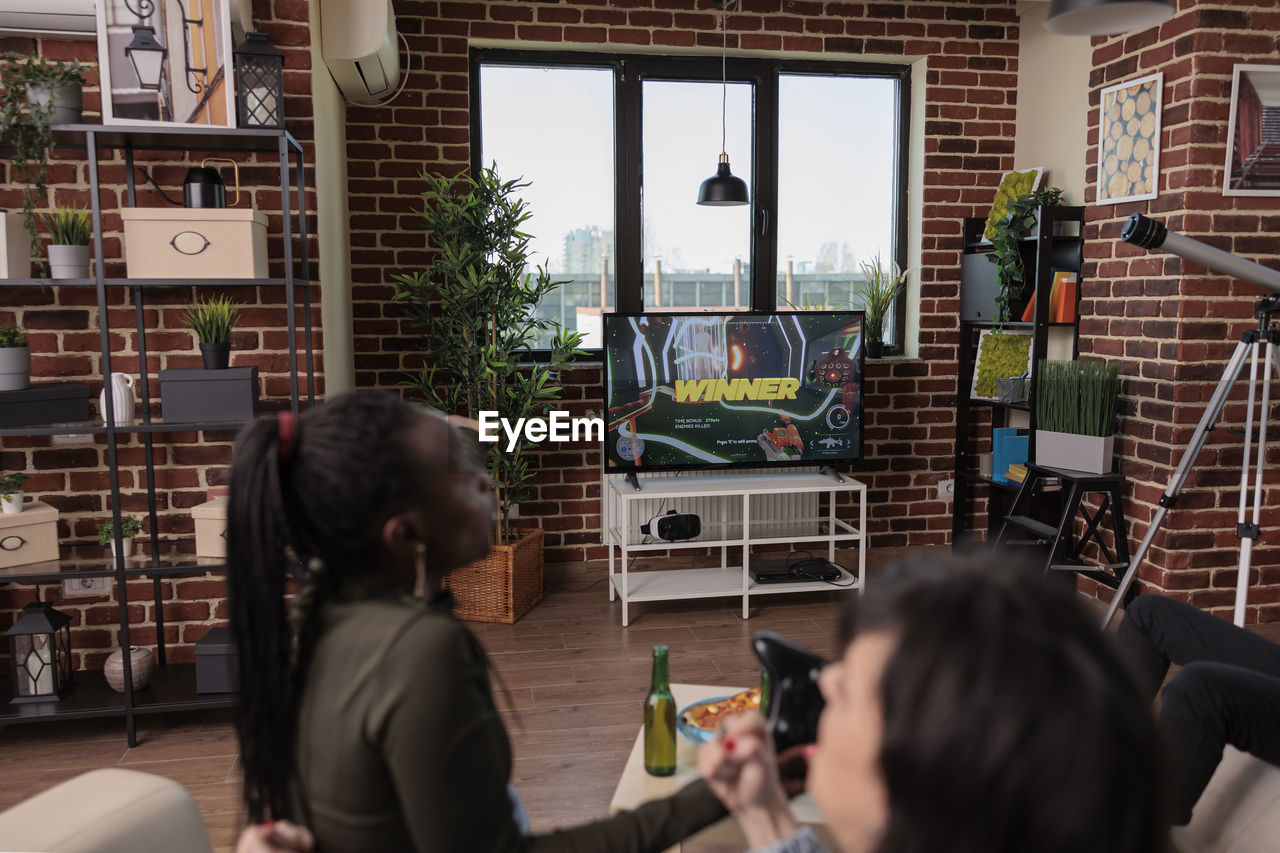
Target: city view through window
[{"x": 554, "y": 127}]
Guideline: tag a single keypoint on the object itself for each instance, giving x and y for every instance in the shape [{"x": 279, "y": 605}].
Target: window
[{"x": 615, "y": 148}]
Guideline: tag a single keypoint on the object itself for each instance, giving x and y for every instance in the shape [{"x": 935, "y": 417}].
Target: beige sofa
[{"x": 106, "y": 811}]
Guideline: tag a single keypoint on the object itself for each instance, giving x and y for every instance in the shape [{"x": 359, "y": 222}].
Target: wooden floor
[{"x": 575, "y": 677}]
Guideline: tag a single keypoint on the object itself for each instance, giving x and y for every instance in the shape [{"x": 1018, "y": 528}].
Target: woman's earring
[{"x": 420, "y": 568}]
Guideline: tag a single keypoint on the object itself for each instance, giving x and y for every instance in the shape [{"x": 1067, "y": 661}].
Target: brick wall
[
  {"x": 1172, "y": 324},
  {"x": 971, "y": 50},
  {"x": 63, "y": 327}
]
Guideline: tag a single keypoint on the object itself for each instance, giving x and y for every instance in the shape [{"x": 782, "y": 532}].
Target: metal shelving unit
[
  {"x": 172, "y": 687},
  {"x": 1050, "y": 248}
]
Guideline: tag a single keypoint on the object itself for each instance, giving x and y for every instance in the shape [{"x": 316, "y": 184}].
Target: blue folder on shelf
[{"x": 1008, "y": 447}]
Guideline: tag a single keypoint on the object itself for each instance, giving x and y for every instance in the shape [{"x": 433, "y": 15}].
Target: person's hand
[
  {"x": 793, "y": 768},
  {"x": 741, "y": 768},
  {"x": 278, "y": 836}
]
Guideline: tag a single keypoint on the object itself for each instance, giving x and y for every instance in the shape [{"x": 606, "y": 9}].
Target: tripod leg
[
  {"x": 1249, "y": 532},
  {"x": 1171, "y": 492}
]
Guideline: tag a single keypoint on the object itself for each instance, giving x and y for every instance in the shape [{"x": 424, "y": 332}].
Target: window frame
[{"x": 630, "y": 71}]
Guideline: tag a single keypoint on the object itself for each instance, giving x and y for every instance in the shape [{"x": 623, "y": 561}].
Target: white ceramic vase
[
  {"x": 68, "y": 261},
  {"x": 121, "y": 399},
  {"x": 141, "y": 664},
  {"x": 15, "y": 368}
]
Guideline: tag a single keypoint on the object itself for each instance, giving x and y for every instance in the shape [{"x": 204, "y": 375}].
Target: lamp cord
[{"x": 724, "y": 75}]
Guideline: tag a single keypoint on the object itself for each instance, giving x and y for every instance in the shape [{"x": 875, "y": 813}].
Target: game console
[{"x": 790, "y": 570}]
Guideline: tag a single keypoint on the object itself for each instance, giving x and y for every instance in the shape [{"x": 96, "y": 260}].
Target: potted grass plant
[
  {"x": 876, "y": 295},
  {"x": 15, "y": 359},
  {"x": 69, "y": 232},
  {"x": 474, "y": 307},
  {"x": 212, "y": 320},
  {"x": 11, "y": 492},
  {"x": 129, "y": 528},
  {"x": 35, "y": 94},
  {"x": 1076, "y": 415}
]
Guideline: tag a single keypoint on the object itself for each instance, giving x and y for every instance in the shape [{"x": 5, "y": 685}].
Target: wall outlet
[
  {"x": 85, "y": 586},
  {"x": 946, "y": 489}
]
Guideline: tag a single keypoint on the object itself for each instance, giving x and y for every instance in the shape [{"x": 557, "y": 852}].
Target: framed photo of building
[
  {"x": 1129, "y": 140},
  {"x": 166, "y": 62},
  {"x": 1253, "y": 142}
]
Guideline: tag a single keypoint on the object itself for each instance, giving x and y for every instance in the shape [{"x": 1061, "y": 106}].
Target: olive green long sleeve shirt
[{"x": 400, "y": 747}]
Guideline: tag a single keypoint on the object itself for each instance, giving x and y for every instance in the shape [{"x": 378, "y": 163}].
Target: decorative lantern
[
  {"x": 259, "y": 83},
  {"x": 147, "y": 56},
  {"x": 40, "y": 649}
]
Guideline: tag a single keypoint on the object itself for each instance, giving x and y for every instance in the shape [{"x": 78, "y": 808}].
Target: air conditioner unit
[
  {"x": 359, "y": 43},
  {"x": 62, "y": 19}
]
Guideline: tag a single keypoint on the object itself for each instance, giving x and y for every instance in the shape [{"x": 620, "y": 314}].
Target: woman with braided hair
[{"x": 368, "y": 716}]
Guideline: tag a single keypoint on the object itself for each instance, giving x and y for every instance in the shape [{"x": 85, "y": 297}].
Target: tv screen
[{"x": 703, "y": 390}]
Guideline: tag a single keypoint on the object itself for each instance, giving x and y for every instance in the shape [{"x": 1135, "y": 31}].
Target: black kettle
[{"x": 204, "y": 187}]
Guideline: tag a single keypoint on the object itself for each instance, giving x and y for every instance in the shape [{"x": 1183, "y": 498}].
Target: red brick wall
[
  {"x": 971, "y": 50},
  {"x": 1172, "y": 324},
  {"x": 63, "y": 326}
]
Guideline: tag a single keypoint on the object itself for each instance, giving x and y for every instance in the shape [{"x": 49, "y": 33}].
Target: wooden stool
[{"x": 1064, "y": 551}]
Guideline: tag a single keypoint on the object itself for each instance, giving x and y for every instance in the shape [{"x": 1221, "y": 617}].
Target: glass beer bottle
[{"x": 660, "y": 720}]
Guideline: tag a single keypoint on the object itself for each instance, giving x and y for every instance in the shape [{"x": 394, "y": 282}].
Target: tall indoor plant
[
  {"x": 474, "y": 307},
  {"x": 1076, "y": 415},
  {"x": 35, "y": 94},
  {"x": 1006, "y": 251},
  {"x": 876, "y": 294},
  {"x": 15, "y": 359}
]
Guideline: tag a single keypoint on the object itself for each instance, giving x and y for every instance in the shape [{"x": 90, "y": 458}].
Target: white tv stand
[{"x": 623, "y": 536}]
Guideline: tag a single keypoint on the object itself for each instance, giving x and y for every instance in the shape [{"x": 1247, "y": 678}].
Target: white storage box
[
  {"x": 211, "y": 528},
  {"x": 30, "y": 536},
  {"x": 15, "y": 246},
  {"x": 205, "y": 242}
]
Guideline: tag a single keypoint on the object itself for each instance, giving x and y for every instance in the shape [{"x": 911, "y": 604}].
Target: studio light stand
[{"x": 1259, "y": 344}]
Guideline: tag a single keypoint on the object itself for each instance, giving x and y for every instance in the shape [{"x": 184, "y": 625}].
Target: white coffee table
[{"x": 636, "y": 786}]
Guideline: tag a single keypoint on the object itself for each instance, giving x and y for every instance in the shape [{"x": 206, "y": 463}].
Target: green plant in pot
[
  {"x": 69, "y": 231},
  {"x": 129, "y": 528},
  {"x": 35, "y": 94},
  {"x": 474, "y": 307},
  {"x": 1076, "y": 415},
  {"x": 876, "y": 295},
  {"x": 11, "y": 492},
  {"x": 1006, "y": 250},
  {"x": 212, "y": 320},
  {"x": 15, "y": 359}
]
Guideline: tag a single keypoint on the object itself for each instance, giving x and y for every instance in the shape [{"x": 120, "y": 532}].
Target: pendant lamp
[
  {"x": 723, "y": 189},
  {"x": 1105, "y": 17}
]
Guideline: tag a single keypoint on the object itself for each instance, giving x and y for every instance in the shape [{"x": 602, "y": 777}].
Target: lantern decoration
[
  {"x": 40, "y": 651},
  {"x": 148, "y": 56},
  {"x": 259, "y": 83}
]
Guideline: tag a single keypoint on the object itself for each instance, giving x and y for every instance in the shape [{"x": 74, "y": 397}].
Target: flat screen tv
[{"x": 720, "y": 390}]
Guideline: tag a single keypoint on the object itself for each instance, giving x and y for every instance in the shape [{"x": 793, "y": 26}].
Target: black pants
[{"x": 1226, "y": 692}]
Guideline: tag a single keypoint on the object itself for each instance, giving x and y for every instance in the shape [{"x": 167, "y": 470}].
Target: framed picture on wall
[
  {"x": 1253, "y": 148},
  {"x": 1129, "y": 140},
  {"x": 166, "y": 62}
]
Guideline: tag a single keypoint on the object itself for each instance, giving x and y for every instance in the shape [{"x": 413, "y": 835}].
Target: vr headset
[
  {"x": 673, "y": 527},
  {"x": 796, "y": 702}
]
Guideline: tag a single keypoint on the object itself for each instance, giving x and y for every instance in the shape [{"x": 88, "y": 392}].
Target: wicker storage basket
[{"x": 504, "y": 585}]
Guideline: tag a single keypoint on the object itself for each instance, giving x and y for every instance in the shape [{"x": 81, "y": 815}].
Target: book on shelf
[
  {"x": 1009, "y": 446},
  {"x": 1016, "y": 474},
  {"x": 1062, "y": 300}
]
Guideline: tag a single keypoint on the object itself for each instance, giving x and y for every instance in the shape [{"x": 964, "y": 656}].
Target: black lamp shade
[
  {"x": 40, "y": 652},
  {"x": 147, "y": 56},
  {"x": 723, "y": 189},
  {"x": 259, "y": 83},
  {"x": 1105, "y": 17}
]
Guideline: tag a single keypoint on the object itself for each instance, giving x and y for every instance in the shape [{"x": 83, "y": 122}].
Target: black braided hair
[{"x": 350, "y": 468}]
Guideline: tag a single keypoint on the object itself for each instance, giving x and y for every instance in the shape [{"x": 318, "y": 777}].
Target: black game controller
[{"x": 796, "y": 702}]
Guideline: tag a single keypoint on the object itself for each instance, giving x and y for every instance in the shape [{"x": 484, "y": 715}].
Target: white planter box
[
  {"x": 166, "y": 242},
  {"x": 211, "y": 528},
  {"x": 15, "y": 246},
  {"x": 30, "y": 536},
  {"x": 1088, "y": 453}
]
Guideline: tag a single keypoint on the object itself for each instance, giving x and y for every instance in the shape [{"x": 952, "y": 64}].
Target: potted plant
[
  {"x": 11, "y": 492},
  {"x": 35, "y": 94},
  {"x": 15, "y": 359},
  {"x": 876, "y": 294},
  {"x": 474, "y": 306},
  {"x": 1076, "y": 415},
  {"x": 212, "y": 319},
  {"x": 129, "y": 528},
  {"x": 69, "y": 232},
  {"x": 1006, "y": 251}
]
